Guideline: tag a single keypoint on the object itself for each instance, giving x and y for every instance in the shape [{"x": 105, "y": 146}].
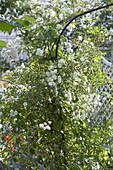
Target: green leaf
[
  {"x": 2, "y": 44},
  {"x": 5, "y": 150},
  {"x": 22, "y": 22},
  {"x": 4, "y": 26},
  {"x": 29, "y": 19},
  {"x": 57, "y": 125}
]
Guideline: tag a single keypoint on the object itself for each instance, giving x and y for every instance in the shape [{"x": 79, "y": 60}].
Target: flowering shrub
[{"x": 45, "y": 102}]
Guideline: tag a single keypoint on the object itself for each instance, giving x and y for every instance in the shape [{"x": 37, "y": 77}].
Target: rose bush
[{"x": 45, "y": 101}]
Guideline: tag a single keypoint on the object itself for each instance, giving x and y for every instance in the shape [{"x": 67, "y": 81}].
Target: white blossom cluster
[
  {"x": 25, "y": 104},
  {"x": 14, "y": 52},
  {"x": 13, "y": 113},
  {"x": 61, "y": 63},
  {"x": 20, "y": 69},
  {"x": 52, "y": 75},
  {"x": 39, "y": 52},
  {"x": 68, "y": 95},
  {"x": 2, "y": 88},
  {"x": 45, "y": 126},
  {"x": 6, "y": 89}
]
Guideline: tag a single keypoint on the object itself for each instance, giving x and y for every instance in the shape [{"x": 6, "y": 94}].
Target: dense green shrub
[{"x": 45, "y": 102}]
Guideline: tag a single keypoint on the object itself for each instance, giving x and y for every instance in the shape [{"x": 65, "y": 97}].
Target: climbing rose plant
[{"x": 45, "y": 101}]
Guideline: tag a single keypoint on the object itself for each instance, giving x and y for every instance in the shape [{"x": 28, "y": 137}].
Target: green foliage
[
  {"x": 2, "y": 44},
  {"x": 5, "y": 26},
  {"x": 45, "y": 103},
  {"x": 29, "y": 18}
]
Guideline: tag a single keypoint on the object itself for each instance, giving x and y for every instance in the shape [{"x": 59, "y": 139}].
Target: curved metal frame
[{"x": 72, "y": 19}]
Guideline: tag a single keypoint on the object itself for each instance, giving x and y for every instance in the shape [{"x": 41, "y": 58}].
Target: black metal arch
[{"x": 72, "y": 19}]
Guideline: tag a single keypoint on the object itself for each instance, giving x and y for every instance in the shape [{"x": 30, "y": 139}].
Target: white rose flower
[
  {"x": 80, "y": 38},
  {"x": 50, "y": 67},
  {"x": 74, "y": 74},
  {"x": 48, "y": 127},
  {"x": 69, "y": 96},
  {"x": 23, "y": 65},
  {"x": 61, "y": 16},
  {"x": 54, "y": 71},
  {"x": 58, "y": 26},
  {"x": 45, "y": 27},
  {"x": 39, "y": 52},
  {"x": 62, "y": 61},
  {"x": 48, "y": 73},
  {"x": 2, "y": 89},
  {"x": 59, "y": 79},
  {"x": 11, "y": 111},
  {"x": 41, "y": 126},
  {"x": 49, "y": 122},
  {"x": 10, "y": 43},
  {"x": 50, "y": 83},
  {"x": 15, "y": 112},
  {"x": 45, "y": 123},
  {"x": 54, "y": 77},
  {"x": 49, "y": 100},
  {"x": 25, "y": 104},
  {"x": 52, "y": 13},
  {"x": 59, "y": 65},
  {"x": 75, "y": 83}
]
